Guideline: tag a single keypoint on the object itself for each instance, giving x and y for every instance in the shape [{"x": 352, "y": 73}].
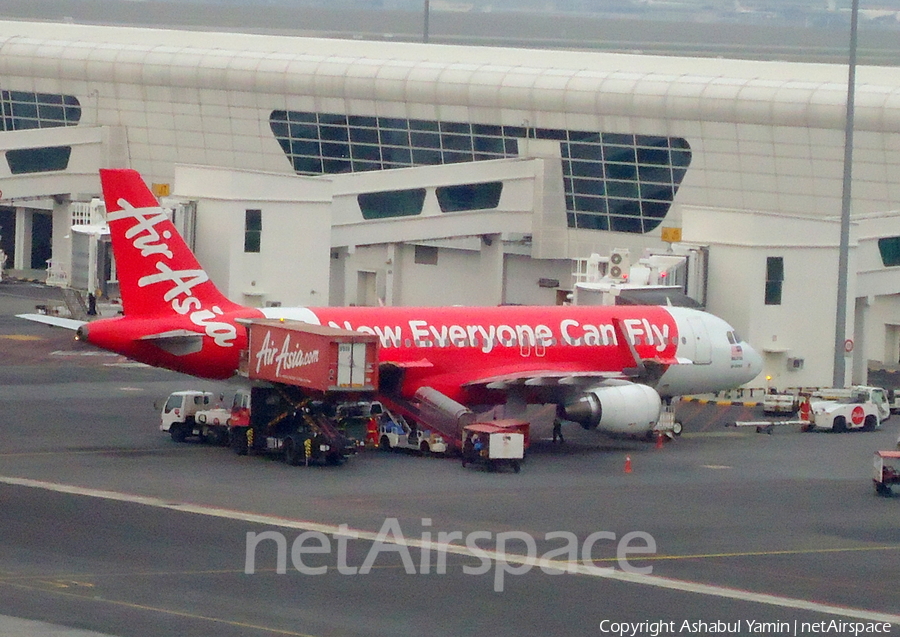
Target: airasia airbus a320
[{"x": 607, "y": 367}]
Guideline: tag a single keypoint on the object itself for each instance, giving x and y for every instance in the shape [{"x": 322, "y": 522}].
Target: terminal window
[
  {"x": 391, "y": 203},
  {"x": 612, "y": 181},
  {"x": 252, "y": 230},
  {"x": 889, "y": 247},
  {"x": 484, "y": 196},
  {"x": 22, "y": 110},
  {"x": 774, "y": 279}
]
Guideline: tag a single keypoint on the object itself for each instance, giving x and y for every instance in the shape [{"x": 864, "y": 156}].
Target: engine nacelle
[{"x": 629, "y": 408}]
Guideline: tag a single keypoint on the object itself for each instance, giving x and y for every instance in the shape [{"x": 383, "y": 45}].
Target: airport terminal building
[{"x": 328, "y": 172}]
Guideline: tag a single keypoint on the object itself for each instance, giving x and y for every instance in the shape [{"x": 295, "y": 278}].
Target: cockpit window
[{"x": 733, "y": 338}]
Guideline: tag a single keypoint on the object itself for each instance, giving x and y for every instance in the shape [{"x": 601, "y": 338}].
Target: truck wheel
[
  {"x": 239, "y": 441},
  {"x": 425, "y": 449},
  {"x": 883, "y": 490},
  {"x": 870, "y": 424},
  {"x": 178, "y": 432},
  {"x": 840, "y": 425},
  {"x": 677, "y": 427},
  {"x": 384, "y": 444},
  {"x": 291, "y": 452},
  {"x": 516, "y": 466}
]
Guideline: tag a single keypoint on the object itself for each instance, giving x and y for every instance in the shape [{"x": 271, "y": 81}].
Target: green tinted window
[{"x": 394, "y": 203}]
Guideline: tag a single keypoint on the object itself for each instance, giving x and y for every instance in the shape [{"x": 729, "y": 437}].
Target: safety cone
[{"x": 627, "y": 464}]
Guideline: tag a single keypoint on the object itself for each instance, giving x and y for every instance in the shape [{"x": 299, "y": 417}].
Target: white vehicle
[
  {"x": 858, "y": 393},
  {"x": 843, "y": 415},
  {"x": 894, "y": 400},
  {"x": 188, "y": 413},
  {"x": 776, "y": 403},
  {"x": 395, "y": 433}
]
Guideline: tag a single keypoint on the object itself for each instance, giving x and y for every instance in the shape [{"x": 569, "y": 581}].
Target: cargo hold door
[{"x": 351, "y": 365}]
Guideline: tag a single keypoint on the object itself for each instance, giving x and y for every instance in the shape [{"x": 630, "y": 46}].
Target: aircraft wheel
[{"x": 677, "y": 428}]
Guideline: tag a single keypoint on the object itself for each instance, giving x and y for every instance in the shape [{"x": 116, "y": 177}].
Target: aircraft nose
[{"x": 754, "y": 361}]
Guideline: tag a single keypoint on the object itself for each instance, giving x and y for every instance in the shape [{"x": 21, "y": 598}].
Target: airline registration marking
[
  {"x": 180, "y": 296},
  {"x": 571, "y": 332}
]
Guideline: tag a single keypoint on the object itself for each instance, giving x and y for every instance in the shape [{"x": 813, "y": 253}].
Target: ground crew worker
[
  {"x": 557, "y": 425},
  {"x": 372, "y": 432}
]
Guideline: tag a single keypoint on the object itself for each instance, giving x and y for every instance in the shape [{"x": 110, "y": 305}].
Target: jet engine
[{"x": 627, "y": 408}]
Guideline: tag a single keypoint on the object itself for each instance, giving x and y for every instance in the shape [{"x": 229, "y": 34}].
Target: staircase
[{"x": 75, "y": 302}]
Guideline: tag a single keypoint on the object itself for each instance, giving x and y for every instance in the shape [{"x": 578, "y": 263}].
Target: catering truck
[{"x": 299, "y": 374}]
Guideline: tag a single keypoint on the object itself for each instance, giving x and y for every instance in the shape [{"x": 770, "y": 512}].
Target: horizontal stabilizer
[
  {"x": 177, "y": 342},
  {"x": 55, "y": 321}
]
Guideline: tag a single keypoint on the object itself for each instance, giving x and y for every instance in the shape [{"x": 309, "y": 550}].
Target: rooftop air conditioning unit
[{"x": 618, "y": 264}]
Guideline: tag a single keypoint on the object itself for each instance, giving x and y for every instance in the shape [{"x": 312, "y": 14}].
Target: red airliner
[{"x": 607, "y": 367}]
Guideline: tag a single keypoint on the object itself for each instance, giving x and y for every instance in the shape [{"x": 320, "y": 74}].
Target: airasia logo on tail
[
  {"x": 149, "y": 242},
  {"x": 286, "y": 358}
]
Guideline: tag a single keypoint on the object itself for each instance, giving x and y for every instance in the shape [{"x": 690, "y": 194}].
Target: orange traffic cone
[
  {"x": 627, "y": 464},
  {"x": 659, "y": 441}
]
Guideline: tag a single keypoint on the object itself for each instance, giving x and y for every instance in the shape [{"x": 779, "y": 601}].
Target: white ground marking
[{"x": 569, "y": 567}]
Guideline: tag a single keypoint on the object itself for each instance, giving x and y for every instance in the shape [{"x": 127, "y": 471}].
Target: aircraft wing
[
  {"x": 55, "y": 321},
  {"x": 544, "y": 378},
  {"x": 649, "y": 368}
]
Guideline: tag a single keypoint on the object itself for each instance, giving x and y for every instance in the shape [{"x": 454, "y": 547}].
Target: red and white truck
[{"x": 299, "y": 374}]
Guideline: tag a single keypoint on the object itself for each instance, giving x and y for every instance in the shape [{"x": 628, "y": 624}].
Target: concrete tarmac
[{"x": 108, "y": 526}]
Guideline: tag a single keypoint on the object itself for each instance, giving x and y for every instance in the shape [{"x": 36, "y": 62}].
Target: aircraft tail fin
[{"x": 158, "y": 274}]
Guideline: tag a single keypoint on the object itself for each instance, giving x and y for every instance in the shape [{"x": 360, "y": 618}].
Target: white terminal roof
[{"x": 609, "y": 84}]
